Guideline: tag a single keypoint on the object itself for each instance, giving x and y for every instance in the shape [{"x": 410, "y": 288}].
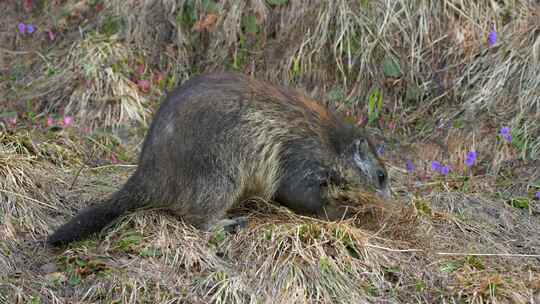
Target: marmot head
[
  {"x": 358, "y": 178},
  {"x": 368, "y": 166},
  {"x": 358, "y": 166}
]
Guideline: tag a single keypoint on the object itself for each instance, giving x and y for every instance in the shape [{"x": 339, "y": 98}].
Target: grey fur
[{"x": 222, "y": 138}]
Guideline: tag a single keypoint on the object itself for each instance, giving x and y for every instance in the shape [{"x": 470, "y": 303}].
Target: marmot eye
[{"x": 381, "y": 176}]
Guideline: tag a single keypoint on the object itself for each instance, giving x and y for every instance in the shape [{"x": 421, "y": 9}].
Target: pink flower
[
  {"x": 50, "y": 121},
  {"x": 140, "y": 69},
  {"x": 51, "y": 34},
  {"x": 99, "y": 7},
  {"x": 144, "y": 85},
  {"x": 28, "y": 5},
  {"x": 114, "y": 160},
  {"x": 12, "y": 121},
  {"x": 67, "y": 121}
]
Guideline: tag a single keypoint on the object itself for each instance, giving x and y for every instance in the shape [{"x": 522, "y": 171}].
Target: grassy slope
[{"x": 445, "y": 93}]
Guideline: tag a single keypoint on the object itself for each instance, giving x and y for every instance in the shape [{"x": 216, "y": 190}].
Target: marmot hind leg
[{"x": 207, "y": 209}]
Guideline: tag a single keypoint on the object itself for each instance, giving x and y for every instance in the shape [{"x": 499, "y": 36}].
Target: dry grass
[
  {"x": 104, "y": 93},
  {"x": 90, "y": 81},
  {"x": 430, "y": 58},
  {"x": 25, "y": 192},
  {"x": 29, "y": 187},
  {"x": 437, "y": 250}
]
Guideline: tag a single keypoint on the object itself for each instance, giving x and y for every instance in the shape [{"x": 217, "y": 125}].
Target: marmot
[{"x": 222, "y": 138}]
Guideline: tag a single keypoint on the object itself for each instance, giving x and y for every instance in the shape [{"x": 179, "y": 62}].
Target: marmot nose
[{"x": 381, "y": 176}]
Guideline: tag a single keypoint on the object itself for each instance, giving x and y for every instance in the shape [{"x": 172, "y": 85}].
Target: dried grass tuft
[
  {"x": 91, "y": 83},
  {"x": 26, "y": 195}
]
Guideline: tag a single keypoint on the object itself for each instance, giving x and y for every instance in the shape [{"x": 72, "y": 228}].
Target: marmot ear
[{"x": 361, "y": 148}]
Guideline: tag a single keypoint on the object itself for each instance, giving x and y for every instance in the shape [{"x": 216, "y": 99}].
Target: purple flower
[
  {"x": 471, "y": 159},
  {"x": 537, "y": 195},
  {"x": 492, "y": 38},
  {"x": 380, "y": 150},
  {"x": 505, "y": 133},
  {"x": 410, "y": 166},
  {"x": 435, "y": 166},
  {"x": 30, "y": 29},
  {"x": 22, "y": 28},
  {"x": 444, "y": 170}
]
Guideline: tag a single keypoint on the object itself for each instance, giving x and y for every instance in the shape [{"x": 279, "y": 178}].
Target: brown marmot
[{"x": 222, "y": 138}]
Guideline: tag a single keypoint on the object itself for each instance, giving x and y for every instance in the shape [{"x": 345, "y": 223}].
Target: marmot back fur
[{"x": 222, "y": 138}]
